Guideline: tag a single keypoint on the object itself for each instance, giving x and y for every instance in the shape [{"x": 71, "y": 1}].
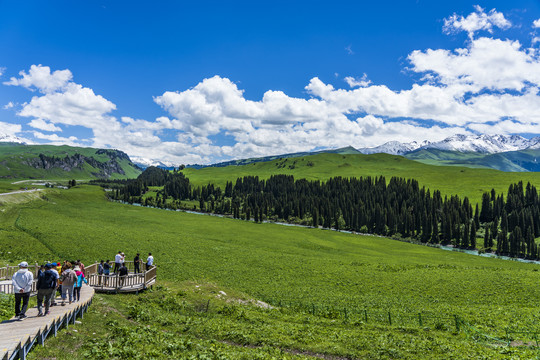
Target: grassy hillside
[
  {"x": 449, "y": 180},
  {"x": 319, "y": 281},
  {"x": 15, "y": 162},
  {"x": 525, "y": 160}
]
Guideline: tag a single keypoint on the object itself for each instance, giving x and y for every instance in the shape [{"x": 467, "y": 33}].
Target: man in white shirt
[
  {"x": 22, "y": 286},
  {"x": 117, "y": 261},
  {"x": 149, "y": 261}
]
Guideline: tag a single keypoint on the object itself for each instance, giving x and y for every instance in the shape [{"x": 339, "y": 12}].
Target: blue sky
[{"x": 200, "y": 82}]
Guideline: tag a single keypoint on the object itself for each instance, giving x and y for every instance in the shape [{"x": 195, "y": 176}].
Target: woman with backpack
[{"x": 69, "y": 278}]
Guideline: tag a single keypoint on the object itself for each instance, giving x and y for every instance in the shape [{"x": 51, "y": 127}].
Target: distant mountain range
[
  {"x": 483, "y": 144},
  {"x": 501, "y": 152}
]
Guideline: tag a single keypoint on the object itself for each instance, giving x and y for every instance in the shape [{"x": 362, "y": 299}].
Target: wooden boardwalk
[{"x": 18, "y": 337}]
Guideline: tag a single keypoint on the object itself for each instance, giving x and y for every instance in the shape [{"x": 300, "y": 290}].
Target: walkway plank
[{"x": 15, "y": 333}]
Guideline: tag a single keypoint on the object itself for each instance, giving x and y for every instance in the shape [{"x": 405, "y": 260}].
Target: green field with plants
[
  {"x": 288, "y": 292},
  {"x": 450, "y": 180}
]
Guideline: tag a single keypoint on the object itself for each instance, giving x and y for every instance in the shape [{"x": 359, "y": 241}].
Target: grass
[
  {"x": 14, "y": 156},
  {"x": 450, "y": 180},
  {"x": 321, "y": 281}
]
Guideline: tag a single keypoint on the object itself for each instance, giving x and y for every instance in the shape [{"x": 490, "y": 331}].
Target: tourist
[
  {"x": 22, "y": 286},
  {"x": 46, "y": 287},
  {"x": 58, "y": 284},
  {"x": 106, "y": 270},
  {"x": 100, "y": 271},
  {"x": 117, "y": 261},
  {"x": 59, "y": 271},
  {"x": 136, "y": 263},
  {"x": 81, "y": 265},
  {"x": 69, "y": 278},
  {"x": 78, "y": 284},
  {"x": 123, "y": 272},
  {"x": 149, "y": 261},
  {"x": 123, "y": 259}
]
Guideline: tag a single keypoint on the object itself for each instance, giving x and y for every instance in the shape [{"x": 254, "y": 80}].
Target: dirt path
[{"x": 21, "y": 192}]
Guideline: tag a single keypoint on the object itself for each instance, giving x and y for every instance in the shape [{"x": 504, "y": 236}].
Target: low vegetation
[{"x": 319, "y": 283}]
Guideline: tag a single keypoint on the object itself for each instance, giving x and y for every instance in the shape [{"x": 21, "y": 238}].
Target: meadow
[
  {"x": 450, "y": 180},
  {"x": 320, "y": 283}
]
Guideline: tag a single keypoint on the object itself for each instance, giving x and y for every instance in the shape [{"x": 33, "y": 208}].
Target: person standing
[
  {"x": 81, "y": 266},
  {"x": 123, "y": 272},
  {"x": 149, "y": 261},
  {"x": 100, "y": 272},
  {"x": 46, "y": 287},
  {"x": 136, "y": 263},
  {"x": 117, "y": 261},
  {"x": 22, "y": 286},
  {"x": 106, "y": 271},
  {"x": 68, "y": 282}
]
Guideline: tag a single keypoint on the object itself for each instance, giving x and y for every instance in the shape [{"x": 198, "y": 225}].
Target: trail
[{"x": 20, "y": 192}]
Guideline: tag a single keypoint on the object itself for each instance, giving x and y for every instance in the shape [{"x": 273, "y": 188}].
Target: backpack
[
  {"x": 47, "y": 280},
  {"x": 69, "y": 278}
]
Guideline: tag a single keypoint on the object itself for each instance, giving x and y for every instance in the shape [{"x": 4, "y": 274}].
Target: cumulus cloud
[
  {"x": 10, "y": 129},
  {"x": 43, "y": 125},
  {"x": 476, "y": 21},
  {"x": 57, "y": 140},
  {"x": 361, "y": 82},
  {"x": 8, "y": 106},
  {"x": 40, "y": 77},
  {"x": 536, "y": 23}
]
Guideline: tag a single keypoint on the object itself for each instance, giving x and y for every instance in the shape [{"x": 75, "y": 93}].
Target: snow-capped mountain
[
  {"x": 144, "y": 162},
  {"x": 485, "y": 144},
  {"x": 395, "y": 148},
  {"x": 12, "y": 139}
]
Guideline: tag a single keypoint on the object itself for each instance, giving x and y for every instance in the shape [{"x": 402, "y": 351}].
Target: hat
[
  {"x": 49, "y": 266},
  {"x": 24, "y": 264},
  {"x": 58, "y": 264}
]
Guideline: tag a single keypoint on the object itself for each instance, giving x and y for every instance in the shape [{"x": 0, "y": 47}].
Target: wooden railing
[
  {"x": 111, "y": 283},
  {"x": 115, "y": 282},
  {"x": 6, "y": 273}
]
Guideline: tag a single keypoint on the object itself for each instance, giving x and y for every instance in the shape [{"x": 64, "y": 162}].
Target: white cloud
[
  {"x": 485, "y": 64},
  {"x": 476, "y": 21},
  {"x": 9, "y": 105},
  {"x": 536, "y": 23},
  {"x": 41, "y": 78},
  {"x": 361, "y": 82},
  {"x": 10, "y": 129},
  {"x": 2, "y": 70},
  {"x": 57, "y": 140},
  {"x": 43, "y": 125},
  {"x": 76, "y": 105}
]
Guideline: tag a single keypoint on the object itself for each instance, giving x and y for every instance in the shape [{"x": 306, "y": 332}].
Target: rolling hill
[
  {"x": 450, "y": 180},
  {"x": 20, "y": 161}
]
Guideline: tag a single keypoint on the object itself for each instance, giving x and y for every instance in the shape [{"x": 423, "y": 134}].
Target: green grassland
[
  {"x": 524, "y": 160},
  {"x": 450, "y": 180},
  {"x": 13, "y": 165},
  {"x": 318, "y": 281}
]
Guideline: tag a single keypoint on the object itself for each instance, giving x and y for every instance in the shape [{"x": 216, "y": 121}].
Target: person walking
[
  {"x": 46, "y": 287},
  {"x": 117, "y": 261},
  {"x": 58, "y": 283},
  {"x": 22, "y": 286},
  {"x": 149, "y": 261},
  {"x": 136, "y": 264},
  {"x": 80, "y": 279},
  {"x": 69, "y": 278}
]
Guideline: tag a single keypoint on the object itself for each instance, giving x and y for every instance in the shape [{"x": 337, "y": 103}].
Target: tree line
[{"x": 398, "y": 207}]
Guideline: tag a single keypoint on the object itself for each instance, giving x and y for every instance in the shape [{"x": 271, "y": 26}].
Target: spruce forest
[{"x": 399, "y": 208}]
